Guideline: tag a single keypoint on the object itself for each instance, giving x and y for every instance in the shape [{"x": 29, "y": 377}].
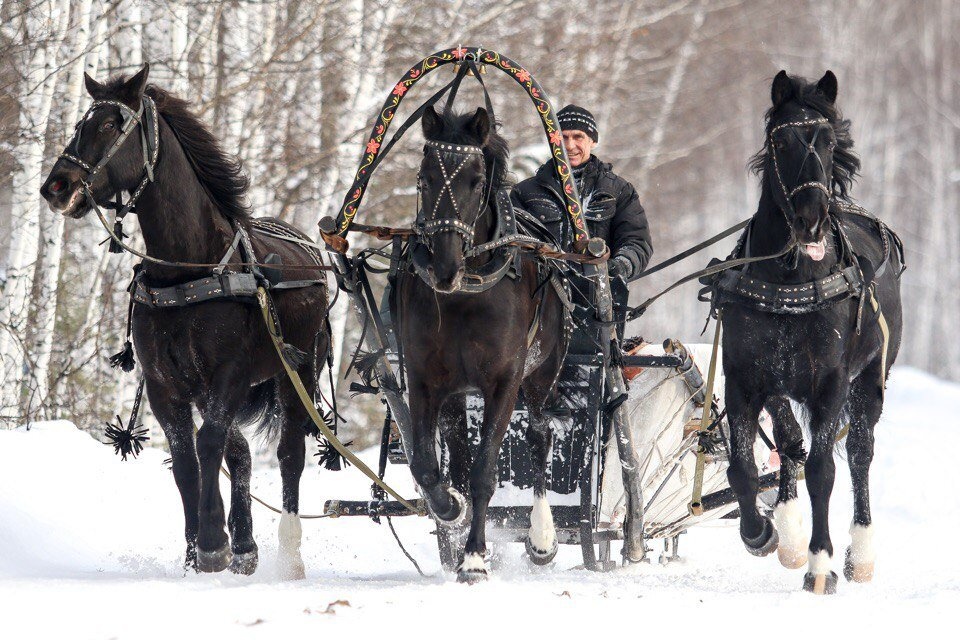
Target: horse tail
[{"x": 263, "y": 408}]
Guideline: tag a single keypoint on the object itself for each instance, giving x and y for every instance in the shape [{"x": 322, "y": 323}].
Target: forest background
[{"x": 679, "y": 88}]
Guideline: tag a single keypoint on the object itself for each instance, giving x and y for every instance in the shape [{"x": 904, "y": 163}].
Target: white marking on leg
[
  {"x": 861, "y": 544},
  {"x": 288, "y": 553},
  {"x": 819, "y": 563},
  {"x": 472, "y": 563},
  {"x": 792, "y": 549},
  {"x": 543, "y": 535}
]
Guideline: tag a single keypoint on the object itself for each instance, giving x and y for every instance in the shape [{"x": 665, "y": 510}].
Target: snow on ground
[{"x": 90, "y": 547}]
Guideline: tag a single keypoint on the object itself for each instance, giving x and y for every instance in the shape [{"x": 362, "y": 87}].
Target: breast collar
[{"x": 845, "y": 281}]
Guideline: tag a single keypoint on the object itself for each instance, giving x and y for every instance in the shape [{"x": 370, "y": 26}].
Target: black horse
[
  {"x": 216, "y": 356},
  {"x": 820, "y": 326},
  {"x": 509, "y": 337}
]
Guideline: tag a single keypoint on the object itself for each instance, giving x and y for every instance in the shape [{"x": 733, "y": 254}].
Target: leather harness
[
  {"x": 240, "y": 286},
  {"x": 847, "y": 280}
]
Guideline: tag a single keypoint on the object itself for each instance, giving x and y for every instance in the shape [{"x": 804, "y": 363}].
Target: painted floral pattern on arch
[{"x": 351, "y": 203}]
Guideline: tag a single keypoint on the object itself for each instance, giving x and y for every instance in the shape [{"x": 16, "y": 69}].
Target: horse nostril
[{"x": 57, "y": 186}]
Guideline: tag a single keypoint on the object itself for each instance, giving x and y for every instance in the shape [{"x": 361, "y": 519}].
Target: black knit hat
[{"x": 574, "y": 118}]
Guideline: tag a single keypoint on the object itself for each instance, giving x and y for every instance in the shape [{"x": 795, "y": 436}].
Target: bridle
[
  {"x": 811, "y": 150},
  {"x": 146, "y": 119},
  {"x": 451, "y": 158},
  {"x": 793, "y": 257}
]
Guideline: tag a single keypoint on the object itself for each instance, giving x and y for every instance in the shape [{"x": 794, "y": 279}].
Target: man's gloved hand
[{"x": 620, "y": 267}]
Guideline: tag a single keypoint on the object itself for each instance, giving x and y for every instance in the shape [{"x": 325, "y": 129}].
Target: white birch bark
[
  {"x": 52, "y": 225},
  {"x": 659, "y": 131},
  {"x": 44, "y": 23},
  {"x": 179, "y": 47}
]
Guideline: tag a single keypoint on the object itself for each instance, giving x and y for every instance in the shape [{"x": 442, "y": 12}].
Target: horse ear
[
  {"x": 782, "y": 89},
  {"x": 432, "y": 123},
  {"x": 480, "y": 125},
  {"x": 827, "y": 85},
  {"x": 94, "y": 88},
  {"x": 132, "y": 90}
]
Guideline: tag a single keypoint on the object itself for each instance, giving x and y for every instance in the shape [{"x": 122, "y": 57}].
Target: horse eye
[{"x": 108, "y": 126}]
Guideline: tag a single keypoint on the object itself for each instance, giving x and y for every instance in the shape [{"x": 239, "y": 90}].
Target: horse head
[
  {"x": 106, "y": 155},
  {"x": 455, "y": 186},
  {"x": 807, "y": 158}
]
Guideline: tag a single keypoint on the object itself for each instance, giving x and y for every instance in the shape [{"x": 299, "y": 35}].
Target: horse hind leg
[
  {"x": 787, "y": 514},
  {"x": 240, "y": 519},
  {"x": 291, "y": 454},
  {"x": 866, "y": 403},
  {"x": 541, "y": 543}
]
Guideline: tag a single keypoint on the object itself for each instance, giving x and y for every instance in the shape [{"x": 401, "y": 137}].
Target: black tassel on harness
[
  {"x": 125, "y": 440},
  {"x": 128, "y": 439},
  {"x": 117, "y": 233},
  {"x": 329, "y": 458},
  {"x": 124, "y": 359},
  {"x": 295, "y": 357}
]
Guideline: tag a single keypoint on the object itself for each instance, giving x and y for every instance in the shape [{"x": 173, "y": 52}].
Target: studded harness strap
[
  {"x": 146, "y": 119},
  {"x": 459, "y": 155}
]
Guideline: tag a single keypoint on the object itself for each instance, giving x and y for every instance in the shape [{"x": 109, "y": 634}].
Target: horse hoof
[
  {"x": 291, "y": 566},
  {"x": 792, "y": 548},
  {"x": 214, "y": 561},
  {"x": 792, "y": 557},
  {"x": 244, "y": 563},
  {"x": 856, "y": 571},
  {"x": 457, "y": 519},
  {"x": 472, "y": 569},
  {"x": 822, "y": 584},
  {"x": 765, "y": 543},
  {"x": 541, "y": 557}
]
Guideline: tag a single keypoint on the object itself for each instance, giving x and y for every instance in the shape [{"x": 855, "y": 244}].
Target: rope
[
  {"x": 404, "y": 549},
  {"x": 193, "y": 265},
  {"x": 312, "y": 410},
  {"x": 260, "y": 501},
  {"x": 696, "y": 503}
]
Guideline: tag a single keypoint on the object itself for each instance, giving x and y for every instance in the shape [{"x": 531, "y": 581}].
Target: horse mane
[
  {"x": 846, "y": 164},
  {"x": 496, "y": 152},
  {"x": 220, "y": 173}
]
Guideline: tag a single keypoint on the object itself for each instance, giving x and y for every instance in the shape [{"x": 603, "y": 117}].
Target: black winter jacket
[{"x": 611, "y": 208}]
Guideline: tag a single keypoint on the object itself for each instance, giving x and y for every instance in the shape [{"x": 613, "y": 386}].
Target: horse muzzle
[{"x": 446, "y": 283}]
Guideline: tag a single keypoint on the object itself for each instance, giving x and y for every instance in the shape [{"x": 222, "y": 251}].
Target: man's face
[{"x": 579, "y": 146}]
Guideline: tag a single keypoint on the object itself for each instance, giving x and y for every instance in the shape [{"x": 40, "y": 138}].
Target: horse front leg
[
  {"x": 498, "y": 405},
  {"x": 447, "y": 505},
  {"x": 225, "y": 394},
  {"x": 820, "y": 472},
  {"x": 743, "y": 412},
  {"x": 176, "y": 419},
  {"x": 787, "y": 514}
]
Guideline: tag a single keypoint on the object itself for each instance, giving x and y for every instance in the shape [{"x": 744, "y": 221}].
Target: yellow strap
[
  {"x": 885, "y": 332},
  {"x": 696, "y": 506},
  {"x": 312, "y": 410}
]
